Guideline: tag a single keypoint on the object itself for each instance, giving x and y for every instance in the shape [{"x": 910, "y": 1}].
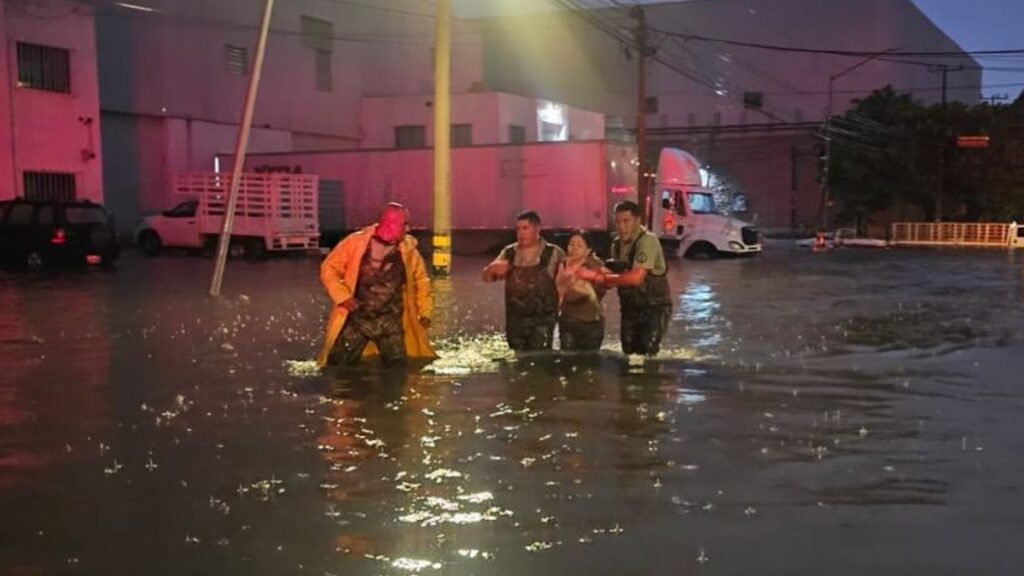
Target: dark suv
[{"x": 38, "y": 233}]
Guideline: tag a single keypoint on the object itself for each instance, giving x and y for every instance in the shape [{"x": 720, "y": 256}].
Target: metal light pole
[
  {"x": 442, "y": 235},
  {"x": 826, "y": 180},
  {"x": 241, "y": 146},
  {"x": 637, "y": 12}
]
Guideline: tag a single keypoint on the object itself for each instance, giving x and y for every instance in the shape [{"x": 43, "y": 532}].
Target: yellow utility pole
[
  {"x": 241, "y": 146},
  {"x": 442, "y": 241}
]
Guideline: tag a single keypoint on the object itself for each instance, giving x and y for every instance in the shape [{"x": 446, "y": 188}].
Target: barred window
[
  {"x": 44, "y": 68},
  {"x": 58, "y": 186},
  {"x": 461, "y": 135},
  {"x": 407, "y": 137}
]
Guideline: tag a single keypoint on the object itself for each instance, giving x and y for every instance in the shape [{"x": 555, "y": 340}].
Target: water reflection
[{"x": 699, "y": 310}]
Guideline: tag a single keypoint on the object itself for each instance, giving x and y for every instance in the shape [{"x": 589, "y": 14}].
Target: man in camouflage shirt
[
  {"x": 528, "y": 268},
  {"x": 644, "y": 295}
]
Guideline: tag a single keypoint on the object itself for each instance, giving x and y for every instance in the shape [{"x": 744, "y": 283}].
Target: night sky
[{"x": 985, "y": 25}]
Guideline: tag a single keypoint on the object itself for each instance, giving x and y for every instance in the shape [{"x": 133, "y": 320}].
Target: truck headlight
[{"x": 736, "y": 246}]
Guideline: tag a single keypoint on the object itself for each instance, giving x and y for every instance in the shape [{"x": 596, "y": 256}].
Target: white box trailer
[
  {"x": 274, "y": 213},
  {"x": 571, "y": 184}
]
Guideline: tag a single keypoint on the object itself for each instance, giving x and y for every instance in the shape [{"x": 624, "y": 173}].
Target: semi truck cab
[{"x": 684, "y": 212}]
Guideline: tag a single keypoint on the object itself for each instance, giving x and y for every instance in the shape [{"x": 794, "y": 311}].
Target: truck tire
[
  {"x": 236, "y": 249},
  {"x": 702, "y": 251},
  {"x": 255, "y": 249},
  {"x": 150, "y": 243}
]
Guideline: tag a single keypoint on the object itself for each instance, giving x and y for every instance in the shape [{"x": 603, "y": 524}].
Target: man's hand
[
  {"x": 351, "y": 304},
  {"x": 584, "y": 273},
  {"x": 496, "y": 270}
]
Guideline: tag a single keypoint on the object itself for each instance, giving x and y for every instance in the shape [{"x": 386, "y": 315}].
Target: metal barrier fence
[{"x": 979, "y": 234}]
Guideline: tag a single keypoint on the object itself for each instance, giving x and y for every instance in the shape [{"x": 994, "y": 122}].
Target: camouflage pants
[
  {"x": 386, "y": 333},
  {"x": 530, "y": 333},
  {"x": 643, "y": 328},
  {"x": 580, "y": 336}
]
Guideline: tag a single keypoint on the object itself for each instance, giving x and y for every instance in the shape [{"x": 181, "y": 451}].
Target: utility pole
[
  {"x": 826, "y": 179},
  {"x": 945, "y": 69},
  {"x": 442, "y": 234},
  {"x": 644, "y": 51},
  {"x": 995, "y": 98},
  {"x": 241, "y": 147}
]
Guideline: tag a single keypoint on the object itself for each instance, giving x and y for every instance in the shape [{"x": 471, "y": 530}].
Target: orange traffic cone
[{"x": 819, "y": 241}]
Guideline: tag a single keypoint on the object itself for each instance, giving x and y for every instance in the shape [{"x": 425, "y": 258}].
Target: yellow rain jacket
[{"x": 339, "y": 273}]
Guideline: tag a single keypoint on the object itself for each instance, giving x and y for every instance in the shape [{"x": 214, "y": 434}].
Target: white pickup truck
[
  {"x": 684, "y": 212},
  {"x": 275, "y": 212}
]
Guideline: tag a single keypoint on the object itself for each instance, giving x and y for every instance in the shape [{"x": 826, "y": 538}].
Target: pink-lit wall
[
  {"x": 567, "y": 183},
  {"x": 8, "y": 182},
  {"x": 47, "y": 131}
]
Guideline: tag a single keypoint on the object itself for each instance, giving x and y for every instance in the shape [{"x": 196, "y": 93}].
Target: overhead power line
[{"x": 854, "y": 53}]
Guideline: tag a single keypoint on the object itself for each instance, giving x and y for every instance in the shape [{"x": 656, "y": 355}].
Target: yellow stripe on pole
[{"x": 442, "y": 139}]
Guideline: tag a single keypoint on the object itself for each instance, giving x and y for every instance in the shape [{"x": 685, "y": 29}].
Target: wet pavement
[{"x": 844, "y": 413}]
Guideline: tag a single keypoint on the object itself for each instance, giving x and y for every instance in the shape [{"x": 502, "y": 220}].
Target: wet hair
[
  {"x": 583, "y": 236},
  {"x": 628, "y": 206},
  {"x": 395, "y": 207},
  {"x": 530, "y": 216}
]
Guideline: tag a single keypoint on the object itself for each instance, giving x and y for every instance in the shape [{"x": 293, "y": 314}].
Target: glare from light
[{"x": 135, "y": 7}]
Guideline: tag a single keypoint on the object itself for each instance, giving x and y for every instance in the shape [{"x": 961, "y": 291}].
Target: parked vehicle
[
  {"x": 40, "y": 233},
  {"x": 275, "y": 212},
  {"x": 684, "y": 212}
]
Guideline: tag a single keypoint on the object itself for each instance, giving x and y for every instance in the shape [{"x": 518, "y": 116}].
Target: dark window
[
  {"x": 324, "y": 71},
  {"x": 236, "y": 60},
  {"x": 85, "y": 215},
  {"x": 317, "y": 34},
  {"x": 44, "y": 68},
  {"x": 407, "y": 137},
  {"x": 753, "y": 100},
  {"x": 20, "y": 214},
  {"x": 44, "y": 215},
  {"x": 462, "y": 135},
  {"x": 58, "y": 186},
  {"x": 651, "y": 105},
  {"x": 183, "y": 210},
  {"x": 516, "y": 134}
]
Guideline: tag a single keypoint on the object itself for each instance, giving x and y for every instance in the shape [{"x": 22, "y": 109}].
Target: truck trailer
[{"x": 570, "y": 184}]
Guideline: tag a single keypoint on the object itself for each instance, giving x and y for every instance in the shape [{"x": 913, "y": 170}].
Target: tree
[{"x": 890, "y": 150}]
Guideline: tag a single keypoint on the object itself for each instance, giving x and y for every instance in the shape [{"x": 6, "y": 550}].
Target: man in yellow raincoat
[{"x": 381, "y": 297}]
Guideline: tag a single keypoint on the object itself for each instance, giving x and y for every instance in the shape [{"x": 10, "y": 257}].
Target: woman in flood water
[{"x": 580, "y": 313}]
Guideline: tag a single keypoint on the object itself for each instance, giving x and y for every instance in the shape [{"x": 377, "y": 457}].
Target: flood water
[{"x": 852, "y": 412}]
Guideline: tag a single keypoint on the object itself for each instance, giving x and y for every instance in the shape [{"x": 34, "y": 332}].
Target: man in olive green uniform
[
  {"x": 528, "y": 268},
  {"x": 644, "y": 295}
]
